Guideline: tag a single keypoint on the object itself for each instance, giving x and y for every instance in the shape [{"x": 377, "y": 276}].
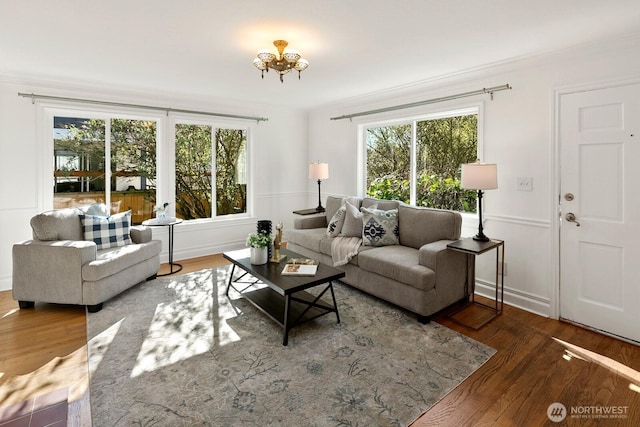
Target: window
[
  {"x": 200, "y": 150},
  {"x": 131, "y": 161},
  {"x": 105, "y": 160},
  {"x": 418, "y": 161}
]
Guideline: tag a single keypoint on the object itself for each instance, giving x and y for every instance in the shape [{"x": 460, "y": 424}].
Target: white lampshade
[
  {"x": 318, "y": 170},
  {"x": 479, "y": 176}
]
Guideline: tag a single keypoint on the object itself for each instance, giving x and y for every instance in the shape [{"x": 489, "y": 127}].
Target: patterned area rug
[{"x": 177, "y": 352}]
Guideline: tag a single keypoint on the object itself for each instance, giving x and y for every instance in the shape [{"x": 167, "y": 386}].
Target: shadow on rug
[{"x": 177, "y": 352}]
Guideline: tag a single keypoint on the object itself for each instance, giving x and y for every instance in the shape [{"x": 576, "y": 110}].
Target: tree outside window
[
  {"x": 80, "y": 156},
  {"x": 195, "y": 145},
  {"x": 427, "y": 166}
]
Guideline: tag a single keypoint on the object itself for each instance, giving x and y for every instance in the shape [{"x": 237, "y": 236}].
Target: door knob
[{"x": 570, "y": 217}]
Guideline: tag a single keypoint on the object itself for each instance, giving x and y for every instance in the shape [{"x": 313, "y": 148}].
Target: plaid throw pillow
[{"x": 107, "y": 232}]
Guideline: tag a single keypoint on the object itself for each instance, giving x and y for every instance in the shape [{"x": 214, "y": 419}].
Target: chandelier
[{"x": 285, "y": 61}]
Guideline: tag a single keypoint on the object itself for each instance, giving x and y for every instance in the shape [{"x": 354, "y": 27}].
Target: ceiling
[{"x": 355, "y": 47}]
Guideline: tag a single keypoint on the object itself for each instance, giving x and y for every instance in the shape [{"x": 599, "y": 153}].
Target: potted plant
[{"x": 259, "y": 244}]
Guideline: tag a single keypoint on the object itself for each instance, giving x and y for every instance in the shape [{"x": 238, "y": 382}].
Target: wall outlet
[{"x": 525, "y": 184}]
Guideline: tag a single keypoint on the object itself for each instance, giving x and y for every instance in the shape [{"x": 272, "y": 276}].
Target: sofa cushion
[
  {"x": 335, "y": 224},
  {"x": 309, "y": 238},
  {"x": 107, "y": 232},
  {"x": 369, "y": 203},
  {"x": 352, "y": 226},
  {"x": 398, "y": 263},
  {"x": 59, "y": 224},
  {"x": 379, "y": 227},
  {"x": 99, "y": 209},
  {"x": 419, "y": 226},
  {"x": 336, "y": 202},
  {"x": 113, "y": 260}
]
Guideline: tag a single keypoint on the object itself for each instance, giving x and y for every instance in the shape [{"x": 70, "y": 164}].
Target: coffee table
[{"x": 283, "y": 298}]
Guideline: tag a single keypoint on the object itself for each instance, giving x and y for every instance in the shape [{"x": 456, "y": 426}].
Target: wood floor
[{"x": 44, "y": 349}]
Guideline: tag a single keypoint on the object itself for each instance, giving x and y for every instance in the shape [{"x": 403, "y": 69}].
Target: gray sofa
[
  {"x": 59, "y": 266},
  {"x": 419, "y": 273}
]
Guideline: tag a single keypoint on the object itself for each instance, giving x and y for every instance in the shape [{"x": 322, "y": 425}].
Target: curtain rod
[
  {"x": 482, "y": 91},
  {"x": 33, "y": 97}
]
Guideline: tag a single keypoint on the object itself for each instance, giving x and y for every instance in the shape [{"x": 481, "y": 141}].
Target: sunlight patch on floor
[
  {"x": 10, "y": 312},
  {"x": 100, "y": 345},
  {"x": 573, "y": 351},
  {"x": 170, "y": 337}
]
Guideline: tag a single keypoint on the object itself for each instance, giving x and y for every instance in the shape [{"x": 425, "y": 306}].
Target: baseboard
[
  {"x": 5, "y": 283},
  {"x": 532, "y": 303}
]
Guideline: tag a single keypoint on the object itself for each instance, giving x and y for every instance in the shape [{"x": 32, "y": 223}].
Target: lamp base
[
  {"x": 319, "y": 209},
  {"x": 480, "y": 237}
]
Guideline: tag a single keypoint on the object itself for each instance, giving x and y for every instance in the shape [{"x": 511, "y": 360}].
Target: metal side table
[
  {"x": 167, "y": 223},
  {"x": 474, "y": 248}
]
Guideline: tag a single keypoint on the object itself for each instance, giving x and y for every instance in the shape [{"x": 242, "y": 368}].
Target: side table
[
  {"x": 474, "y": 248},
  {"x": 309, "y": 211},
  {"x": 167, "y": 223}
]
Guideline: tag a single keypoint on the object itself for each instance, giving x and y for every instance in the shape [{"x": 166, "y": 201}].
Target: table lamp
[
  {"x": 479, "y": 176},
  {"x": 319, "y": 171}
]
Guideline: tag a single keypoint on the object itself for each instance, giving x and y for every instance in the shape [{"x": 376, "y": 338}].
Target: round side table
[{"x": 170, "y": 222}]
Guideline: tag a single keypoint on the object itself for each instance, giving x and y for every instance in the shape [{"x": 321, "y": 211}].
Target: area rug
[{"x": 179, "y": 352}]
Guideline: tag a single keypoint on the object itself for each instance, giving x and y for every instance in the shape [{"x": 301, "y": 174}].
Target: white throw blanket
[{"x": 344, "y": 248}]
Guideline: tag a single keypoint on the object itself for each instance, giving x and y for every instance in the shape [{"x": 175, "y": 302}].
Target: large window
[
  {"x": 210, "y": 165},
  {"x": 418, "y": 161},
  {"x": 105, "y": 160},
  {"x": 132, "y": 161}
]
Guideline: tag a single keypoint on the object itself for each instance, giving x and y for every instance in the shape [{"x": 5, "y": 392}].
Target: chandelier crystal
[{"x": 285, "y": 61}]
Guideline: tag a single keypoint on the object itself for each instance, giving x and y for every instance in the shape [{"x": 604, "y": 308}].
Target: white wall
[
  {"x": 279, "y": 153},
  {"x": 518, "y": 135}
]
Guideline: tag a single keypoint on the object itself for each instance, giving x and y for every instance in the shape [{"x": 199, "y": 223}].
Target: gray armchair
[{"x": 59, "y": 266}]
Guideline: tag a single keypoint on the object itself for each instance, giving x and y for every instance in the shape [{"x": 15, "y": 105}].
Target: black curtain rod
[
  {"x": 482, "y": 91},
  {"x": 34, "y": 96}
]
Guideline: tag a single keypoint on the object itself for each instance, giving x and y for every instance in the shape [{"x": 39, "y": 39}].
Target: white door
[{"x": 600, "y": 185}]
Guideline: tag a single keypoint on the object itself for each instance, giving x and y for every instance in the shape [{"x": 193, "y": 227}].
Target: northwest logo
[{"x": 557, "y": 412}]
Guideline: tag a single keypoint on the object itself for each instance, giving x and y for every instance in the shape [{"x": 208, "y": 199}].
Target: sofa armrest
[
  {"x": 319, "y": 221},
  {"x": 50, "y": 271},
  {"x": 140, "y": 234},
  {"x": 450, "y": 266}
]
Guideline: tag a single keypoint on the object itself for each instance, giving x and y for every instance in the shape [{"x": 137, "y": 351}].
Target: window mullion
[
  {"x": 107, "y": 161},
  {"x": 413, "y": 167},
  {"x": 214, "y": 184}
]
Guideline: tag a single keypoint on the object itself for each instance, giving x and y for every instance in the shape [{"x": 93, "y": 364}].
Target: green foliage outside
[
  {"x": 133, "y": 154},
  {"x": 442, "y": 145}
]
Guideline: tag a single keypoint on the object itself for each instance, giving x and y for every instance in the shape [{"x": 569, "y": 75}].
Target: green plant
[{"x": 258, "y": 240}]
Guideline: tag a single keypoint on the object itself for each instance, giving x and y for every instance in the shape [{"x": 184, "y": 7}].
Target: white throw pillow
[
  {"x": 337, "y": 220},
  {"x": 352, "y": 226}
]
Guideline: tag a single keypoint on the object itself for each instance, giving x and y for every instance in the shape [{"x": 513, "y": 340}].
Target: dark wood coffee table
[{"x": 282, "y": 298}]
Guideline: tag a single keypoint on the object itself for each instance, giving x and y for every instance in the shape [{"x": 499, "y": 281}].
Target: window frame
[
  {"x": 165, "y": 149},
  {"x": 412, "y": 120},
  {"x": 215, "y": 123}
]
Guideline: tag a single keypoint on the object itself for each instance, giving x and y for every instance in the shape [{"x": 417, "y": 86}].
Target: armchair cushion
[
  {"x": 60, "y": 224},
  {"x": 107, "y": 232}
]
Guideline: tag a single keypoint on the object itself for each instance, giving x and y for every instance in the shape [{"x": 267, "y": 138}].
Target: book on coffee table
[
  {"x": 300, "y": 269},
  {"x": 308, "y": 261}
]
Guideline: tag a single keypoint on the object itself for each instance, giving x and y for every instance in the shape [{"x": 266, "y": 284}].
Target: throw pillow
[
  {"x": 337, "y": 220},
  {"x": 380, "y": 228},
  {"x": 352, "y": 226},
  {"x": 107, "y": 232}
]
